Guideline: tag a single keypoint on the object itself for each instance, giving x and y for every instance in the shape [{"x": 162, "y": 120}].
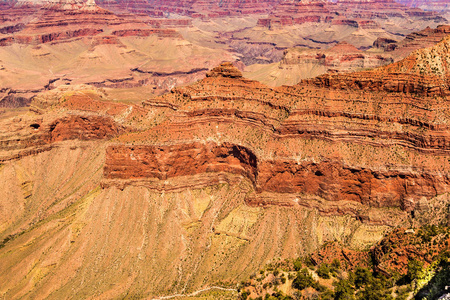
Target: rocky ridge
[{"x": 288, "y": 122}]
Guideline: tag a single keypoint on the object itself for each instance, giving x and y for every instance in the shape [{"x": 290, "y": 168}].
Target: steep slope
[
  {"x": 301, "y": 63},
  {"x": 424, "y": 72},
  {"x": 433, "y": 62}
]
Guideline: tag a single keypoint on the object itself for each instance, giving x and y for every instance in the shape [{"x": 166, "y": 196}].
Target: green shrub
[
  {"x": 303, "y": 280},
  {"x": 244, "y": 295},
  {"x": 335, "y": 265},
  {"x": 343, "y": 290},
  {"x": 323, "y": 271},
  {"x": 298, "y": 264},
  {"x": 308, "y": 262},
  {"x": 362, "y": 276},
  {"x": 415, "y": 269}
]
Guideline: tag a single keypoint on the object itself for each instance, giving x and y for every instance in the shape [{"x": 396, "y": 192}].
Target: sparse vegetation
[{"x": 335, "y": 279}]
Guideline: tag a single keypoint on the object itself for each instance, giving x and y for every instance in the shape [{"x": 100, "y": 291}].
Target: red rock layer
[
  {"x": 369, "y": 97},
  {"x": 329, "y": 180},
  {"x": 334, "y": 181},
  {"x": 387, "y": 82},
  {"x": 53, "y": 23},
  {"x": 367, "y": 108},
  {"x": 352, "y": 13},
  {"x": 40, "y": 133},
  {"x": 125, "y": 162},
  {"x": 82, "y": 128}
]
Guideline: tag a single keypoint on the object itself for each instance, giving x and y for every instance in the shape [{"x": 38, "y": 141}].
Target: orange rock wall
[
  {"x": 132, "y": 162},
  {"x": 329, "y": 180}
]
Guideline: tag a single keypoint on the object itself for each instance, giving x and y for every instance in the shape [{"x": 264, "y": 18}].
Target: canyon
[
  {"x": 151, "y": 149},
  {"x": 182, "y": 189}
]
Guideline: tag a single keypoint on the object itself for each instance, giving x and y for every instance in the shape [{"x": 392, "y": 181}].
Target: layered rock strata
[
  {"x": 192, "y": 8},
  {"x": 352, "y": 13},
  {"x": 413, "y": 41},
  {"x": 329, "y": 180},
  {"x": 124, "y": 162},
  {"x": 284, "y": 115},
  {"x": 43, "y": 47}
]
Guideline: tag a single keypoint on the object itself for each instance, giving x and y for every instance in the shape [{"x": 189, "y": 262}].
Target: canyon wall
[{"x": 204, "y": 185}]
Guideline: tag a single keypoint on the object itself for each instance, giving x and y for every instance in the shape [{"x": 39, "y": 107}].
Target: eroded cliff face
[
  {"x": 125, "y": 162},
  {"x": 301, "y": 63},
  {"x": 206, "y": 184},
  {"x": 441, "y": 6},
  {"x": 331, "y": 181}
]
